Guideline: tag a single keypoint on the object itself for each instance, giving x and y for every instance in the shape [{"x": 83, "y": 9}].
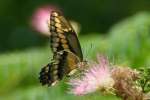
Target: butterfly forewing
[{"x": 66, "y": 34}]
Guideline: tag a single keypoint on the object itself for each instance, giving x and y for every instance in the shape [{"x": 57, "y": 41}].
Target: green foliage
[
  {"x": 19, "y": 69},
  {"x": 144, "y": 80},
  {"x": 19, "y": 76},
  {"x": 130, "y": 40},
  {"x": 93, "y": 15}
]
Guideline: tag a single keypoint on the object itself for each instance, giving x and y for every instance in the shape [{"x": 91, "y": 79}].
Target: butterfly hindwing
[{"x": 54, "y": 71}]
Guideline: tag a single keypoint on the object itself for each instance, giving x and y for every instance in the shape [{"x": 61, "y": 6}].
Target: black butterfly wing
[{"x": 66, "y": 49}]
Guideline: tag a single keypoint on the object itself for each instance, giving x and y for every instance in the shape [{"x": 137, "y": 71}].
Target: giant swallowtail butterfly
[{"x": 66, "y": 50}]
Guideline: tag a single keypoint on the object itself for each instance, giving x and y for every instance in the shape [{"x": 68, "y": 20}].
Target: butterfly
[{"x": 66, "y": 50}]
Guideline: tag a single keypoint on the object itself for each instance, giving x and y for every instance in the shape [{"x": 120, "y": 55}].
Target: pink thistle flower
[
  {"x": 40, "y": 18},
  {"x": 125, "y": 83},
  {"x": 96, "y": 77}
]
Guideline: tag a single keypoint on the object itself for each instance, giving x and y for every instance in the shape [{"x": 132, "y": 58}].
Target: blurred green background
[{"x": 115, "y": 28}]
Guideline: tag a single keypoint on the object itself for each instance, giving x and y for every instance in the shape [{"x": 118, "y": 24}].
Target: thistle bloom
[
  {"x": 96, "y": 77},
  {"x": 99, "y": 76},
  {"x": 125, "y": 84}
]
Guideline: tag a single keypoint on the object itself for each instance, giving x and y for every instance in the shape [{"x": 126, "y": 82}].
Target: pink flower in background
[
  {"x": 97, "y": 77},
  {"x": 40, "y": 19}
]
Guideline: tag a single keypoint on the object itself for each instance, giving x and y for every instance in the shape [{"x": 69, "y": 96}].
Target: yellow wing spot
[
  {"x": 55, "y": 77},
  {"x": 47, "y": 69},
  {"x": 55, "y": 82},
  {"x": 66, "y": 30},
  {"x": 58, "y": 25},
  {"x": 72, "y": 72},
  {"x": 70, "y": 29},
  {"x": 63, "y": 41},
  {"x": 59, "y": 30},
  {"x": 48, "y": 22},
  {"x": 55, "y": 66},
  {"x": 55, "y": 72},
  {"x": 57, "y": 20},
  {"x": 65, "y": 46},
  {"x": 61, "y": 35}
]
